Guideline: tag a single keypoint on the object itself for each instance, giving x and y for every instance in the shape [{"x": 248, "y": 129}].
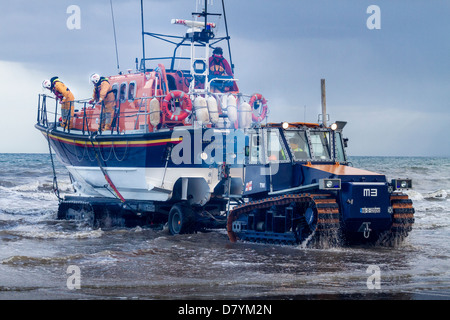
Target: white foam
[
  {"x": 38, "y": 232},
  {"x": 439, "y": 195},
  {"x": 414, "y": 195}
]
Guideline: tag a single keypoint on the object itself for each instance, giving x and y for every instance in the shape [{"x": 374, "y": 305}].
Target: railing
[
  {"x": 49, "y": 115},
  {"x": 129, "y": 116}
]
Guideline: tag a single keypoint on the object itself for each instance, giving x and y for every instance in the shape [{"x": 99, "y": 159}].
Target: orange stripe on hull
[{"x": 342, "y": 170}]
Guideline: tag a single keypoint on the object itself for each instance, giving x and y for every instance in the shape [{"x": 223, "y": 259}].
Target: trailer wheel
[{"x": 181, "y": 219}]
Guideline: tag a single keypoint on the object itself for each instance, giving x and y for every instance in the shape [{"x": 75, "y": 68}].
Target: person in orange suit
[
  {"x": 65, "y": 97},
  {"x": 104, "y": 93},
  {"x": 220, "y": 68},
  {"x": 218, "y": 65}
]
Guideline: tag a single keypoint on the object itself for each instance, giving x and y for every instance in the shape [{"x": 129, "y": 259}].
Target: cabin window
[
  {"x": 123, "y": 92},
  {"x": 320, "y": 143},
  {"x": 132, "y": 91},
  {"x": 298, "y": 143},
  {"x": 255, "y": 148},
  {"x": 275, "y": 150},
  {"x": 115, "y": 88},
  {"x": 340, "y": 154}
]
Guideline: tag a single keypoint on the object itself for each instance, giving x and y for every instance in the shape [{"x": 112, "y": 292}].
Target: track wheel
[
  {"x": 311, "y": 218},
  {"x": 181, "y": 219}
]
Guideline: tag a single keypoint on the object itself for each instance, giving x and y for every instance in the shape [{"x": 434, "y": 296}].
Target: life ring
[
  {"x": 186, "y": 105},
  {"x": 258, "y": 98}
]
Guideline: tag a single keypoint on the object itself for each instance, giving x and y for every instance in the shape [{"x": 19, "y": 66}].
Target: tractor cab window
[
  {"x": 298, "y": 143},
  {"x": 340, "y": 154},
  {"x": 275, "y": 148},
  {"x": 320, "y": 143},
  {"x": 255, "y": 154}
]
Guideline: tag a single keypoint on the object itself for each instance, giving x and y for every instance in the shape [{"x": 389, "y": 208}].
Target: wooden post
[{"x": 324, "y": 102}]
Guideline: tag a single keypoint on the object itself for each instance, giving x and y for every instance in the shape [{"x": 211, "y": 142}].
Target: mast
[
  {"x": 143, "y": 41},
  {"x": 200, "y": 34},
  {"x": 201, "y": 37}
]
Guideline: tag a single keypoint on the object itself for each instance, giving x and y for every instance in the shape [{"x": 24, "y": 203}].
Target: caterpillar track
[
  {"x": 403, "y": 220},
  {"x": 308, "y": 219},
  {"x": 287, "y": 219}
]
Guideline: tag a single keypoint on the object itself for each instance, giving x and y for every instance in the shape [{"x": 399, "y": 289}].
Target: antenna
[
  {"x": 206, "y": 34},
  {"x": 115, "y": 38},
  {"x": 228, "y": 36}
]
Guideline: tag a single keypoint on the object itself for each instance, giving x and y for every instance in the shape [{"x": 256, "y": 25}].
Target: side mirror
[{"x": 345, "y": 142}]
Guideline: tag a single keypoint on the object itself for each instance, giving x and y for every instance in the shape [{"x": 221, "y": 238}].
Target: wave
[
  {"x": 440, "y": 194},
  {"x": 7, "y": 184},
  {"x": 22, "y": 260},
  {"x": 38, "y": 233},
  {"x": 437, "y": 195},
  {"x": 34, "y": 261},
  {"x": 34, "y": 186}
]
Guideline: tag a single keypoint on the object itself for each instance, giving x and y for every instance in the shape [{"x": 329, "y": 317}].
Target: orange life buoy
[
  {"x": 258, "y": 98},
  {"x": 186, "y": 105}
]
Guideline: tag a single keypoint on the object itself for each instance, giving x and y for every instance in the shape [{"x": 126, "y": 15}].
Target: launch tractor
[{"x": 299, "y": 187}]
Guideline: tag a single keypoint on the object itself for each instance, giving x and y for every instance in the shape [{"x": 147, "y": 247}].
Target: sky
[{"x": 390, "y": 83}]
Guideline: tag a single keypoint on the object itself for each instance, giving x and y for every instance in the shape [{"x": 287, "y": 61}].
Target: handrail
[
  {"x": 126, "y": 118},
  {"x": 81, "y": 111}
]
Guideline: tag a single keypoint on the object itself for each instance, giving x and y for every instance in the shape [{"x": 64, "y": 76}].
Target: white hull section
[{"x": 148, "y": 184}]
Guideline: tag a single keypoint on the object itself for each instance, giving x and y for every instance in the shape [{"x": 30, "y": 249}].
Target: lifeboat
[{"x": 155, "y": 160}]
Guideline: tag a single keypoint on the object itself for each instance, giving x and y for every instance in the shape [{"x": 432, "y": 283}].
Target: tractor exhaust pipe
[{"x": 324, "y": 102}]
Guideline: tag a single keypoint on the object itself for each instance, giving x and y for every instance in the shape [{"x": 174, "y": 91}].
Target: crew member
[
  {"x": 65, "y": 98},
  {"x": 293, "y": 142},
  {"x": 299, "y": 152},
  {"x": 104, "y": 94},
  {"x": 218, "y": 65}
]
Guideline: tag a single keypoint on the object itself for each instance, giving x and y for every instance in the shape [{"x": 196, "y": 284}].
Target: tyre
[{"x": 181, "y": 219}]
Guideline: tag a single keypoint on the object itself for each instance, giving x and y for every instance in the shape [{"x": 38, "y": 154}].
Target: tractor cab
[{"x": 277, "y": 154}]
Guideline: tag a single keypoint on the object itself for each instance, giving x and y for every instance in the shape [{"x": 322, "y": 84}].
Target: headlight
[
  {"x": 330, "y": 184},
  {"x": 402, "y": 183}
]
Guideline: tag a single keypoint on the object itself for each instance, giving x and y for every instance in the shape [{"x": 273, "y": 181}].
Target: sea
[{"x": 43, "y": 258}]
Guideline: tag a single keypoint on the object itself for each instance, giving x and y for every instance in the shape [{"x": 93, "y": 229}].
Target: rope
[
  {"x": 55, "y": 179},
  {"x": 105, "y": 174}
]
